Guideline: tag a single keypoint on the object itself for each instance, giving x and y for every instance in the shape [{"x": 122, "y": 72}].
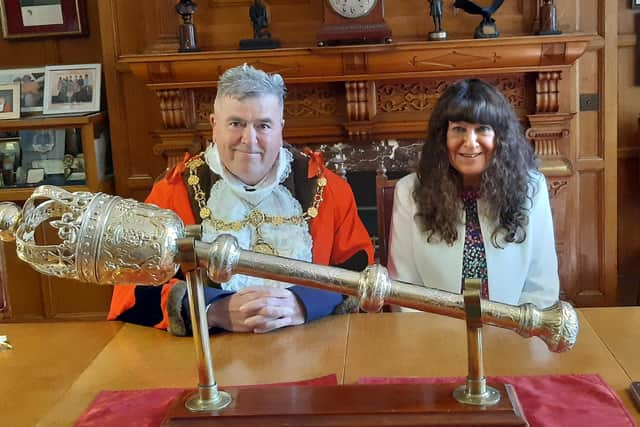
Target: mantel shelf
[{"x": 398, "y": 60}]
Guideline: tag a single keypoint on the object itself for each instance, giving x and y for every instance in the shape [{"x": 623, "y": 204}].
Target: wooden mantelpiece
[
  {"x": 349, "y": 93},
  {"x": 399, "y": 60}
]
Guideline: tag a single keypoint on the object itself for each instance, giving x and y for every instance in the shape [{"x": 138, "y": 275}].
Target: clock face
[{"x": 352, "y": 8}]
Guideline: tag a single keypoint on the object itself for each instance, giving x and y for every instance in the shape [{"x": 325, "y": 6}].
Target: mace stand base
[{"x": 351, "y": 405}]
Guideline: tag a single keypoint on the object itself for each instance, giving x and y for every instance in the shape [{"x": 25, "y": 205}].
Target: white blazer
[{"x": 517, "y": 272}]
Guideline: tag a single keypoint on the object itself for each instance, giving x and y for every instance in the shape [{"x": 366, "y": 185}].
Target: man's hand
[{"x": 258, "y": 309}]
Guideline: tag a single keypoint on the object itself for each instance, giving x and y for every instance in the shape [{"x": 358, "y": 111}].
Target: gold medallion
[
  {"x": 205, "y": 213},
  {"x": 263, "y": 247},
  {"x": 193, "y": 180}
]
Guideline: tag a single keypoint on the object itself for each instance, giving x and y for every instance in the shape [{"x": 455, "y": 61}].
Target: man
[{"x": 272, "y": 198}]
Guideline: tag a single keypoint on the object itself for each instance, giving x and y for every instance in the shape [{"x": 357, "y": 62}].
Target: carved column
[
  {"x": 361, "y": 109},
  {"x": 549, "y": 133},
  {"x": 547, "y": 94},
  {"x": 177, "y": 109}
]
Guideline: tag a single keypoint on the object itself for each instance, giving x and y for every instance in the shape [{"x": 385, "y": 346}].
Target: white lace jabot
[{"x": 229, "y": 201}]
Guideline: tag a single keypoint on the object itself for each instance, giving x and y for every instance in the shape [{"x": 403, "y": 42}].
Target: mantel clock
[{"x": 353, "y": 22}]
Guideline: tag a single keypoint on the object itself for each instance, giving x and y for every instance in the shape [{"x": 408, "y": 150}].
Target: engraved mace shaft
[{"x": 557, "y": 325}]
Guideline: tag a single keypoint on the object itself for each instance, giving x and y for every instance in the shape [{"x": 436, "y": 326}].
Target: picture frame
[
  {"x": 10, "y": 147},
  {"x": 635, "y": 4},
  {"x": 72, "y": 88},
  {"x": 9, "y": 101},
  {"x": 35, "y": 175},
  {"x": 31, "y": 87},
  {"x": 43, "y": 18},
  {"x": 41, "y": 144}
]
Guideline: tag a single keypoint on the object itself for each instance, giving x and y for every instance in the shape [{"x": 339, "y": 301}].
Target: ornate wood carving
[
  {"x": 409, "y": 97},
  {"x": 361, "y": 100},
  {"x": 548, "y": 132},
  {"x": 203, "y": 101},
  {"x": 177, "y": 108},
  {"x": 547, "y": 92},
  {"x": 173, "y": 144},
  {"x": 556, "y": 186},
  {"x": 421, "y": 96},
  {"x": 310, "y": 101}
]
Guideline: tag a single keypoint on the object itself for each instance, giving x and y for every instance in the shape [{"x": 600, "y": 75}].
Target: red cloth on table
[
  {"x": 550, "y": 400},
  {"x": 147, "y": 408}
]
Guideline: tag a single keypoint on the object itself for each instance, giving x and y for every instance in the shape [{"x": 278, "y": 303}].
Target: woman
[{"x": 477, "y": 207}]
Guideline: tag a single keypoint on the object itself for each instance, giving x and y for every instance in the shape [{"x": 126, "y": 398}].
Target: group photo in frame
[
  {"x": 9, "y": 101},
  {"x": 43, "y": 18},
  {"x": 31, "y": 87},
  {"x": 72, "y": 88}
]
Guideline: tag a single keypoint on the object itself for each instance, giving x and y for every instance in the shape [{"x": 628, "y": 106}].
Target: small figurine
[
  {"x": 435, "y": 10},
  {"x": 487, "y": 27},
  {"x": 548, "y": 19},
  {"x": 261, "y": 35},
  {"x": 186, "y": 30}
]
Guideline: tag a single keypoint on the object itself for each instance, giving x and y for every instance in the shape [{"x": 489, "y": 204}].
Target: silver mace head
[{"x": 103, "y": 239}]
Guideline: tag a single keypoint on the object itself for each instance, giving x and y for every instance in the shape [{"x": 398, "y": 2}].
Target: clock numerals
[{"x": 352, "y": 8}]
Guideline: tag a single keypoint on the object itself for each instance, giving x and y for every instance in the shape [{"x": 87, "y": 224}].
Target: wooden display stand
[{"x": 351, "y": 405}]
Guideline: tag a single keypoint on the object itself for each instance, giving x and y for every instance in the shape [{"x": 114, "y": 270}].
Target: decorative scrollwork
[
  {"x": 556, "y": 186},
  {"x": 310, "y": 101},
  {"x": 422, "y": 95},
  {"x": 204, "y": 99}
]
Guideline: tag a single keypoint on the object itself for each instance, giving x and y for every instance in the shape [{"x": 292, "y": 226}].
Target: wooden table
[
  {"x": 140, "y": 357},
  {"x": 387, "y": 344},
  {"x": 46, "y": 359},
  {"x": 619, "y": 330},
  {"x": 427, "y": 345}
]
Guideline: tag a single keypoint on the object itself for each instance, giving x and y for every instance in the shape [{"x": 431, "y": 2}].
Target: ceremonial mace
[{"x": 109, "y": 240}]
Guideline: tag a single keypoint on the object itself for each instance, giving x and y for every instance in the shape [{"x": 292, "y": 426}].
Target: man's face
[{"x": 248, "y": 134}]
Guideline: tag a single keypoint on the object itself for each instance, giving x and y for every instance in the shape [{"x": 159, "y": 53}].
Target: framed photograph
[
  {"x": 635, "y": 4},
  {"x": 10, "y": 101},
  {"x": 41, "y": 144},
  {"x": 10, "y": 149},
  {"x": 72, "y": 88},
  {"x": 43, "y": 18},
  {"x": 31, "y": 86},
  {"x": 35, "y": 175}
]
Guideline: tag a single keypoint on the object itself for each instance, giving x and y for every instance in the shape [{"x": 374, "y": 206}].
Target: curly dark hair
[{"x": 504, "y": 183}]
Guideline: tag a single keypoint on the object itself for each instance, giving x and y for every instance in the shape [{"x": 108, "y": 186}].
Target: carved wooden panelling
[
  {"x": 303, "y": 101},
  {"x": 409, "y": 97},
  {"x": 421, "y": 96},
  {"x": 310, "y": 101},
  {"x": 204, "y": 99},
  {"x": 176, "y": 108},
  {"x": 547, "y": 93}
]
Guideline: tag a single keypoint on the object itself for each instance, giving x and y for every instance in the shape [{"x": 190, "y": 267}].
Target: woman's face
[{"x": 471, "y": 147}]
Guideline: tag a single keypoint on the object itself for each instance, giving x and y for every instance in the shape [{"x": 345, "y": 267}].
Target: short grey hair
[{"x": 246, "y": 81}]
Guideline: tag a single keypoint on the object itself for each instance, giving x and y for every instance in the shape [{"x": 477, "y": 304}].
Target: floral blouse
[{"x": 474, "y": 260}]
